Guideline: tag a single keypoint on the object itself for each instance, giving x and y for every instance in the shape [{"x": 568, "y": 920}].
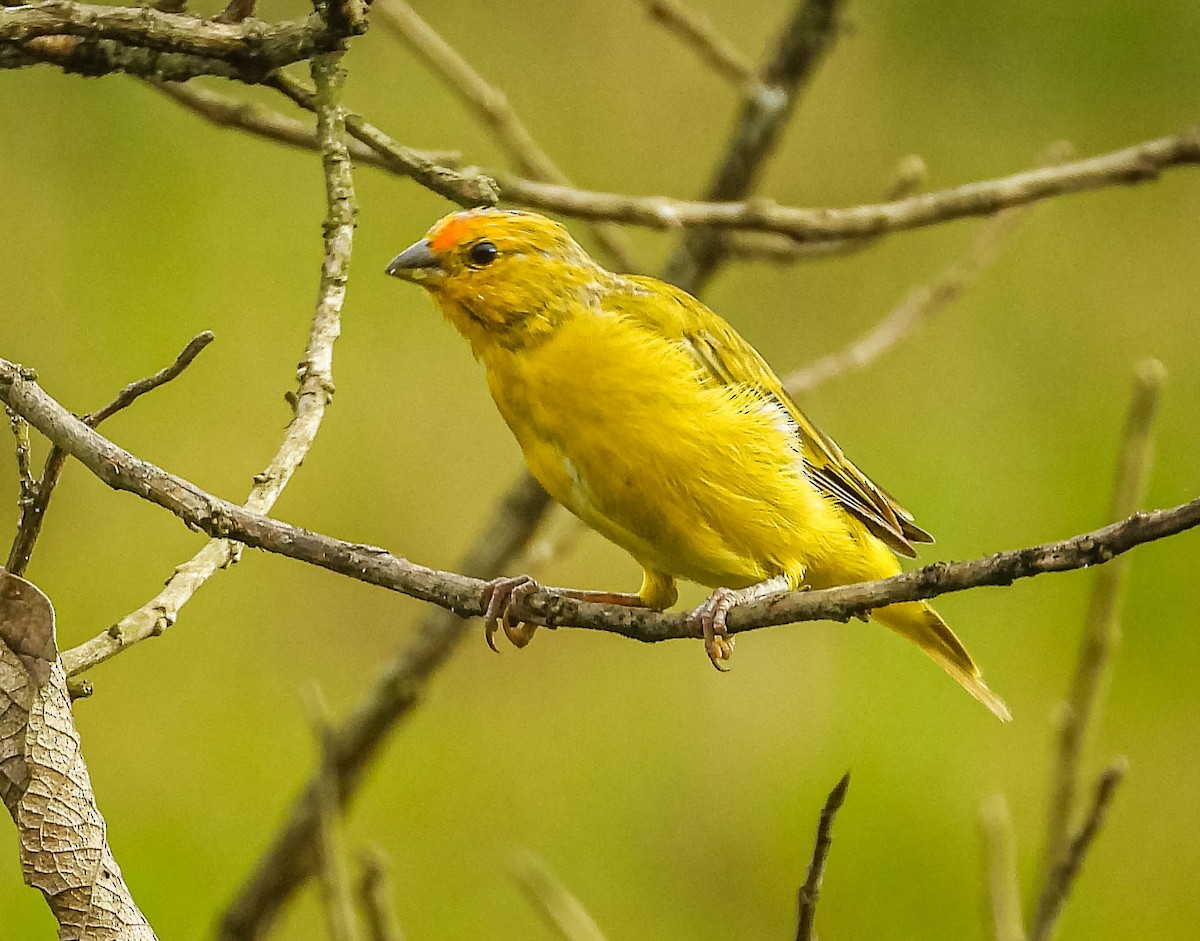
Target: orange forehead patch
[{"x": 453, "y": 230}]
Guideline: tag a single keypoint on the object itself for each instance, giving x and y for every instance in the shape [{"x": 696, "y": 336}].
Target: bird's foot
[
  {"x": 710, "y": 617},
  {"x": 498, "y": 598}
]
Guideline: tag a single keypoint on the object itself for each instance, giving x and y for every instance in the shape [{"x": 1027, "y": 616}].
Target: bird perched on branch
[{"x": 648, "y": 417}]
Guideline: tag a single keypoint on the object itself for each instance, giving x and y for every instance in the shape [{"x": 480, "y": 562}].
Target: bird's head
[{"x": 504, "y": 278}]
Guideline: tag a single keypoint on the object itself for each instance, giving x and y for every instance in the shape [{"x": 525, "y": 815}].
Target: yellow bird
[{"x": 648, "y": 417}]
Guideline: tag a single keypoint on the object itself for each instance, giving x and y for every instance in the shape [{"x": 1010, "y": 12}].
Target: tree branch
[
  {"x": 695, "y": 29},
  {"x": 96, "y": 40},
  {"x": 805, "y": 229},
  {"x": 1000, "y": 866},
  {"x": 313, "y": 394},
  {"x": 1061, "y": 878},
  {"x": 44, "y": 782},
  {"x": 908, "y": 177},
  {"x": 461, "y": 594},
  {"x": 1137, "y": 164},
  {"x": 33, "y": 510},
  {"x": 811, "y": 890},
  {"x": 240, "y": 114},
  {"x": 802, "y": 44},
  {"x": 337, "y": 896},
  {"x": 1100, "y": 635},
  {"x": 290, "y": 859},
  {"x": 26, "y": 485},
  {"x": 375, "y": 895},
  {"x": 466, "y": 187},
  {"x": 562, "y": 912},
  {"x": 918, "y": 306}
]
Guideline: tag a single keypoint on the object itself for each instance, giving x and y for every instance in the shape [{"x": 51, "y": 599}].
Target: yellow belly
[{"x": 694, "y": 480}]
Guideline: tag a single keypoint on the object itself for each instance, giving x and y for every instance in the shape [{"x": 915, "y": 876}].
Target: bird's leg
[
  {"x": 500, "y": 595},
  {"x": 711, "y": 616}
]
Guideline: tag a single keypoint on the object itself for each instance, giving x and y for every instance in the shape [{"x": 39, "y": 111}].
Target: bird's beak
[{"x": 416, "y": 263}]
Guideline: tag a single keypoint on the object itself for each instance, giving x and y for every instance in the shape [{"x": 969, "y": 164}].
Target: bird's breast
[{"x": 695, "y": 478}]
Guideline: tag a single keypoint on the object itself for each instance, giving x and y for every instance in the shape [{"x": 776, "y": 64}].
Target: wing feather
[{"x": 724, "y": 356}]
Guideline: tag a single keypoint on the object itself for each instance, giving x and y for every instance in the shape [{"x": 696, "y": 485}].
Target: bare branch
[
  {"x": 1138, "y": 164},
  {"x": 26, "y": 485},
  {"x": 908, "y": 177},
  {"x": 44, "y": 781},
  {"x": 95, "y": 40},
  {"x": 918, "y": 306},
  {"x": 1000, "y": 865},
  {"x": 239, "y": 114},
  {"x": 290, "y": 860},
  {"x": 333, "y": 869},
  {"x": 1061, "y": 878},
  {"x": 562, "y": 912},
  {"x": 811, "y": 890},
  {"x": 802, "y": 44},
  {"x": 135, "y": 390},
  {"x": 33, "y": 511},
  {"x": 1100, "y": 635},
  {"x": 492, "y": 108},
  {"x": 807, "y": 231},
  {"x": 313, "y": 394},
  {"x": 695, "y": 29},
  {"x": 375, "y": 893},
  {"x": 466, "y": 187},
  {"x": 461, "y": 594},
  {"x": 236, "y": 11}
]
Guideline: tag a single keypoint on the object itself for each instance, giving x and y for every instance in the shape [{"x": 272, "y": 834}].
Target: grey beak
[{"x": 416, "y": 258}]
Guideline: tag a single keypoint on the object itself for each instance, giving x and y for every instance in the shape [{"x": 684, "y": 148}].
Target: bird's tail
[{"x": 922, "y": 625}]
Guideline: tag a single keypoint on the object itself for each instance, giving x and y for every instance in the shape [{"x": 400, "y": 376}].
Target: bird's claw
[
  {"x": 710, "y": 617},
  {"x": 499, "y": 597}
]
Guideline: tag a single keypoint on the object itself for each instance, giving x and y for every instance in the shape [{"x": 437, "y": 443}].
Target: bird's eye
[{"x": 482, "y": 254}]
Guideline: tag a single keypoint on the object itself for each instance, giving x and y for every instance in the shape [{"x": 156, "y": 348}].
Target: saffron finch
[{"x": 648, "y": 417}]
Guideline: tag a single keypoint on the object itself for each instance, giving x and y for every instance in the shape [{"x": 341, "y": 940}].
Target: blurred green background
[{"x": 676, "y": 803}]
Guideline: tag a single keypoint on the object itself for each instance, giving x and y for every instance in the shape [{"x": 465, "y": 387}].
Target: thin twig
[
  {"x": 908, "y": 177},
  {"x": 562, "y": 912},
  {"x": 918, "y": 306},
  {"x": 697, "y": 30},
  {"x": 132, "y": 392},
  {"x": 922, "y": 302},
  {"x": 491, "y": 106},
  {"x": 1000, "y": 866},
  {"x": 333, "y": 870},
  {"x": 26, "y": 485},
  {"x": 1101, "y": 630},
  {"x": 1138, "y": 164},
  {"x": 467, "y": 187},
  {"x": 463, "y": 595},
  {"x": 375, "y": 896},
  {"x": 289, "y": 860},
  {"x": 240, "y": 114},
  {"x": 811, "y": 890},
  {"x": 801, "y": 45},
  {"x": 33, "y": 511},
  {"x": 312, "y": 396},
  {"x": 1141, "y": 163},
  {"x": 1061, "y": 878},
  {"x": 235, "y": 11}
]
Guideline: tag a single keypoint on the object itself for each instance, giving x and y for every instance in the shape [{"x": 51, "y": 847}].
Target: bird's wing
[{"x": 728, "y": 359}]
